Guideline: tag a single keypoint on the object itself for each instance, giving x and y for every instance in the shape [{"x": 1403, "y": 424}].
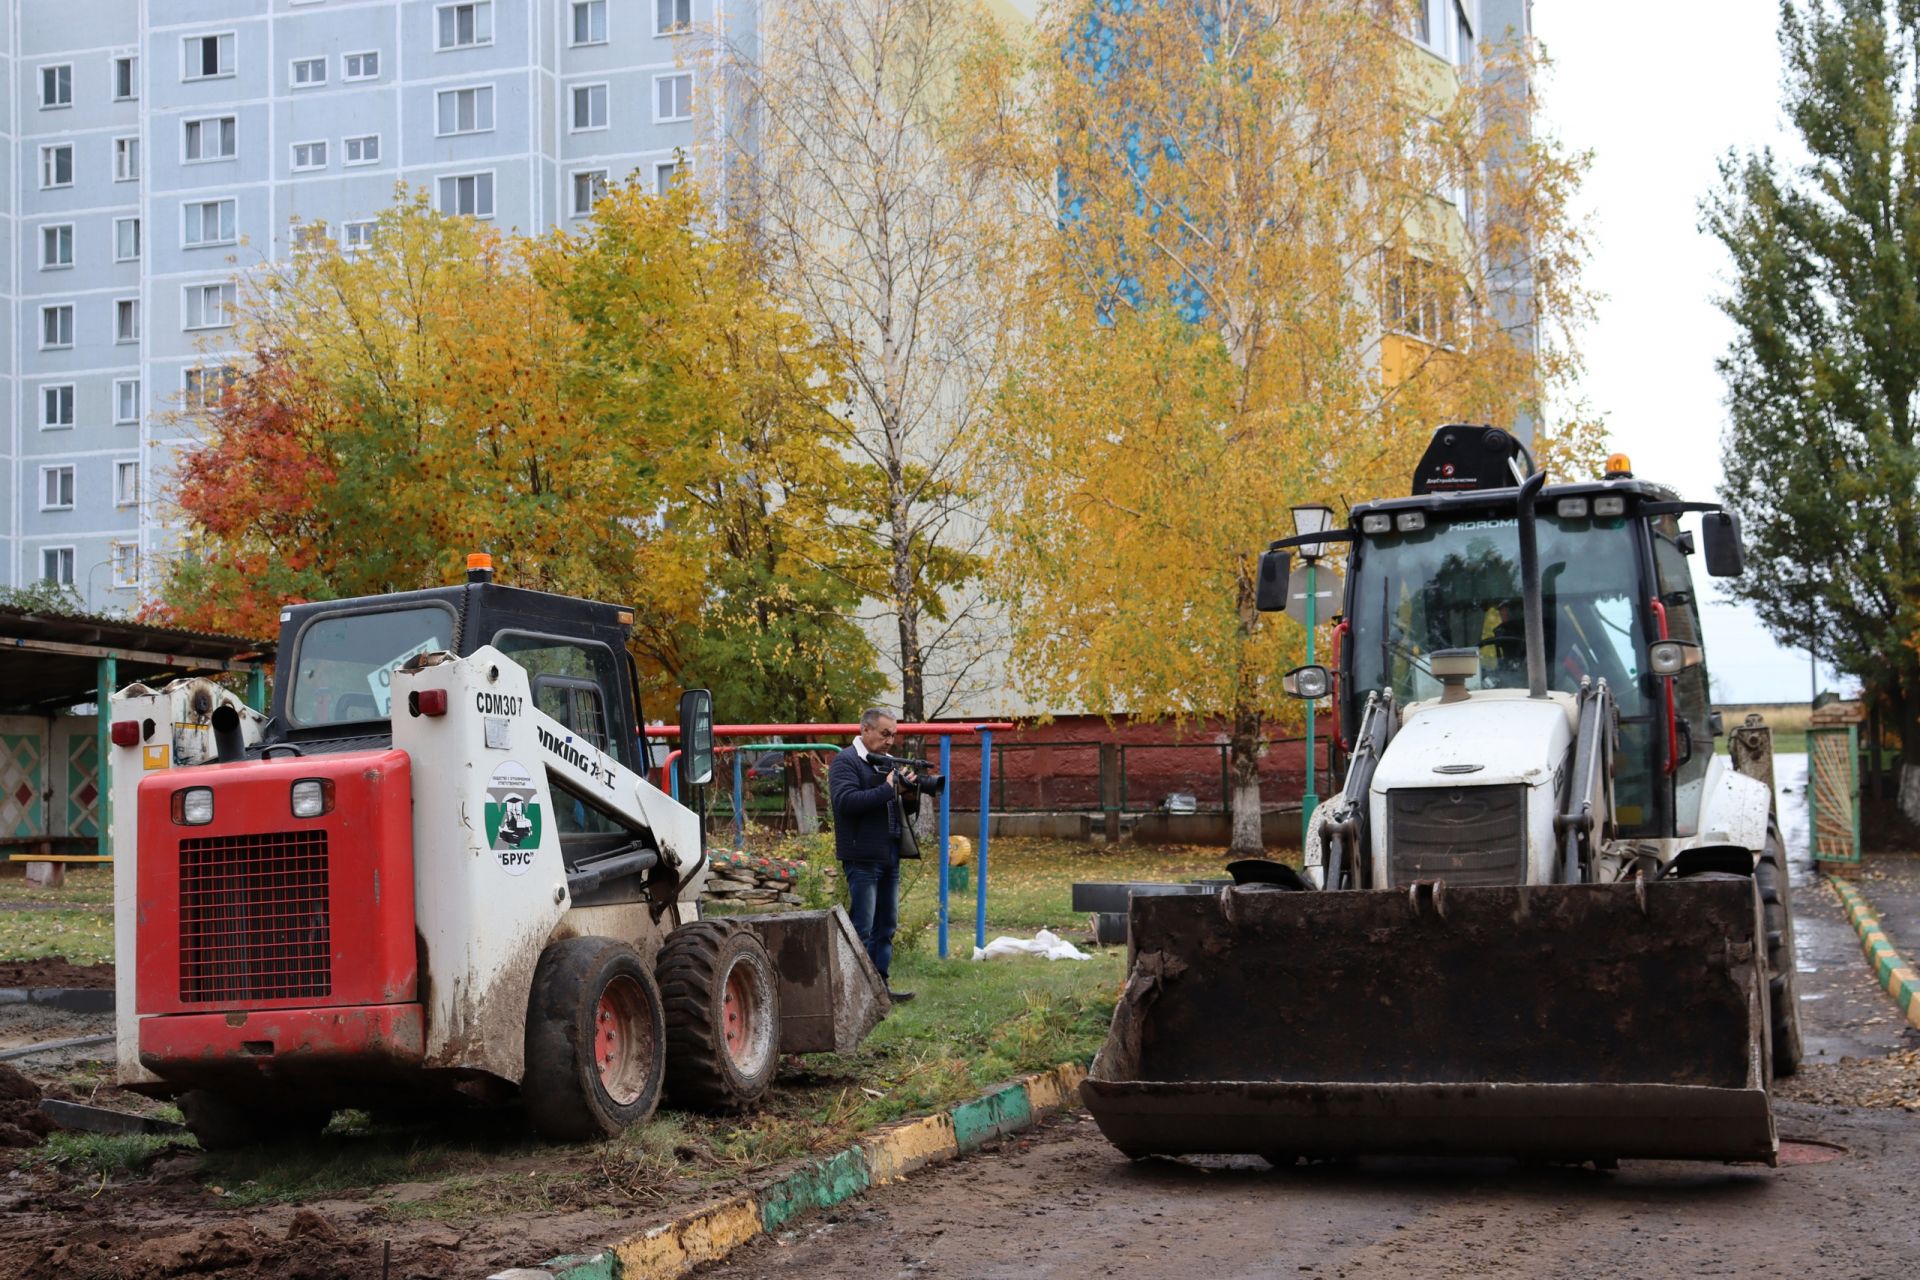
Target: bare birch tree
[{"x": 848, "y": 126}]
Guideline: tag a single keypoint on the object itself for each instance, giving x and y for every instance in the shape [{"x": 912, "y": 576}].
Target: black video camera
[{"x": 925, "y": 785}]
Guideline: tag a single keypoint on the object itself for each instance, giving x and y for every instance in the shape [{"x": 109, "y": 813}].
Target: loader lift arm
[{"x": 1587, "y": 822}]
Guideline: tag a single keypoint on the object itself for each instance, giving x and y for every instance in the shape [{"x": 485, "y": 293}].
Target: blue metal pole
[
  {"x": 986, "y": 809},
  {"x": 673, "y": 779},
  {"x": 1309, "y": 801},
  {"x": 739, "y": 795},
  {"x": 946, "y": 826},
  {"x": 106, "y": 675}
]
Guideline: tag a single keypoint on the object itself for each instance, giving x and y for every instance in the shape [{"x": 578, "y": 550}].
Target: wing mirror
[
  {"x": 696, "y": 737},
  {"x": 1308, "y": 683},
  {"x": 1671, "y": 657},
  {"x": 1726, "y": 557},
  {"x": 1276, "y": 570}
]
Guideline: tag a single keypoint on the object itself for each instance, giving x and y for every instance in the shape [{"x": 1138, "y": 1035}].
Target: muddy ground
[{"x": 54, "y": 971}]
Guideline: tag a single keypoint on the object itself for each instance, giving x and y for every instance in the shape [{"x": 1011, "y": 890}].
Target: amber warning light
[
  {"x": 479, "y": 566},
  {"x": 1619, "y": 466}
]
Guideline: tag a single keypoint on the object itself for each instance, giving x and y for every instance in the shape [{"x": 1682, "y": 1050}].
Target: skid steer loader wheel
[
  {"x": 723, "y": 1016},
  {"x": 219, "y": 1123},
  {"x": 1770, "y": 873},
  {"x": 594, "y": 1040}
]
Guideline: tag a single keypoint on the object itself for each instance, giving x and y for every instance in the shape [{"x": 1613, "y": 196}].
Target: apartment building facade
[{"x": 158, "y": 148}]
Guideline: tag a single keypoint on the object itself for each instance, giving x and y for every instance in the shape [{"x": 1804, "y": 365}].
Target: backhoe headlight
[
  {"x": 1410, "y": 521},
  {"x": 312, "y": 797},
  {"x": 1614, "y": 505},
  {"x": 193, "y": 806},
  {"x": 1378, "y": 522},
  {"x": 1571, "y": 508}
]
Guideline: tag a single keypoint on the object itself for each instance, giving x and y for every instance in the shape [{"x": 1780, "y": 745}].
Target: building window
[
  {"x": 363, "y": 150},
  {"x": 589, "y": 107},
  {"x": 126, "y": 484},
  {"x": 207, "y": 222},
  {"x": 126, "y": 239},
  {"x": 363, "y": 66},
  {"x": 126, "y": 401},
  {"x": 465, "y": 110},
  {"x": 207, "y": 57},
  {"x": 308, "y": 156},
  {"x": 355, "y": 236},
  {"x": 1422, "y": 301},
  {"x": 589, "y": 21},
  {"x": 588, "y": 186},
  {"x": 465, "y": 25},
  {"x": 673, "y": 97},
  {"x": 126, "y": 320},
  {"x": 671, "y": 17},
  {"x": 56, "y": 86},
  {"x": 56, "y": 166},
  {"x": 126, "y": 79},
  {"x": 209, "y": 306},
  {"x": 308, "y": 72},
  {"x": 126, "y": 555},
  {"x": 56, "y": 488},
  {"x": 56, "y": 246},
  {"x": 126, "y": 159},
  {"x": 56, "y": 406},
  {"x": 203, "y": 388},
  {"x": 665, "y": 174},
  {"x": 468, "y": 193},
  {"x": 309, "y": 237},
  {"x": 56, "y": 565},
  {"x": 56, "y": 326},
  {"x": 215, "y": 138}
]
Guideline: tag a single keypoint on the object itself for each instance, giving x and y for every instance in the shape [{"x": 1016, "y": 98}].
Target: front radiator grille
[
  {"x": 1463, "y": 835},
  {"x": 254, "y": 917}
]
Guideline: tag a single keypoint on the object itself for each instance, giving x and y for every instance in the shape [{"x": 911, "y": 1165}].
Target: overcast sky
[{"x": 1658, "y": 105}]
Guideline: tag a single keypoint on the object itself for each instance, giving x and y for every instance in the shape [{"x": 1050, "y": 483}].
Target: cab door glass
[
  {"x": 573, "y": 683},
  {"x": 1693, "y": 706}
]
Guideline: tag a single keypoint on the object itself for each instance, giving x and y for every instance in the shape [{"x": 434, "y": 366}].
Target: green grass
[
  {"x": 83, "y": 935},
  {"x": 87, "y": 884},
  {"x": 100, "y": 1156}
]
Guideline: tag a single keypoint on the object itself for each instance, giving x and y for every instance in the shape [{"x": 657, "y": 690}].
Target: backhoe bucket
[{"x": 1568, "y": 1022}]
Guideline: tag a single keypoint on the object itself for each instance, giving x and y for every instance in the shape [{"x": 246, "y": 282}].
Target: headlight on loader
[
  {"x": 193, "y": 806},
  {"x": 312, "y": 797}
]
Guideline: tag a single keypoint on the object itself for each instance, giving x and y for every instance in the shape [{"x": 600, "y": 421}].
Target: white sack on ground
[{"x": 1045, "y": 943}]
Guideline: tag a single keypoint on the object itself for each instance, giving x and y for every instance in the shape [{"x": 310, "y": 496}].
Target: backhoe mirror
[
  {"x": 1276, "y": 569},
  {"x": 1671, "y": 657},
  {"x": 1726, "y": 558},
  {"x": 696, "y": 737},
  {"x": 1307, "y": 682}
]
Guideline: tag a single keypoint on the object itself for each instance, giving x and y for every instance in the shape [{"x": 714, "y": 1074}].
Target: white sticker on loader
[{"x": 513, "y": 817}]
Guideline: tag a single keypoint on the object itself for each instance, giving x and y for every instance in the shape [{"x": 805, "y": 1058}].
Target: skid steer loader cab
[{"x": 1539, "y": 924}]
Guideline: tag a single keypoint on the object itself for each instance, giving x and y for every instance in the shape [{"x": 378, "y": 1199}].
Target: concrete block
[{"x": 48, "y": 875}]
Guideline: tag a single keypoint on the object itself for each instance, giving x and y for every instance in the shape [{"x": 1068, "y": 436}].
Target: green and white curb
[
  {"x": 1894, "y": 972},
  {"x": 709, "y": 1234}
]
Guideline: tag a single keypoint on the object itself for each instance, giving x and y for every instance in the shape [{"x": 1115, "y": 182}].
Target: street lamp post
[{"x": 1311, "y": 519}]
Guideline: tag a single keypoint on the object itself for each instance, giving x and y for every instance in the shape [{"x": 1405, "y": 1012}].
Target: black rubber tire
[
  {"x": 566, "y": 1090},
  {"x": 219, "y": 1123},
  {"x": 706, "y": 1071},
  {"x": 1783, "y": 1003}
]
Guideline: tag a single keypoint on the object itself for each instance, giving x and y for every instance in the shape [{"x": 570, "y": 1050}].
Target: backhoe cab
[{"x": 1551, "y": 922}]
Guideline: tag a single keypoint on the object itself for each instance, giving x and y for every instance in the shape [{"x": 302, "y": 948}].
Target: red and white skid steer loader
[{"x": 436, "y": 873}]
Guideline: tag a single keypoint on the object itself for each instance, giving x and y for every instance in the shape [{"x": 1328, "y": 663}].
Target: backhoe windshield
[
  {"x": 1456, "y": 585},
  {"x": 343, "y": 671}
]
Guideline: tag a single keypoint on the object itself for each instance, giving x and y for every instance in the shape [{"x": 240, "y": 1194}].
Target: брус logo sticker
[{"x": 513, "y": 817}]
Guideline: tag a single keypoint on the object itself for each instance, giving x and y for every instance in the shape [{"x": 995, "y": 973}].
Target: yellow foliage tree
[{"x": 1241, "y": 187}]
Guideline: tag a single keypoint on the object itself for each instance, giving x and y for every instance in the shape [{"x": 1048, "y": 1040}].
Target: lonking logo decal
[{"x": 513, "y": 817}]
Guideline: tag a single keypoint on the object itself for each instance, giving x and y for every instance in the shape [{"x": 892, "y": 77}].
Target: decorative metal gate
[{"x": 1833, "y": 793}]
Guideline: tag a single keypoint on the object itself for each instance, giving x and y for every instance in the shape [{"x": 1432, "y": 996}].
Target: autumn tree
[
  {"x": 619, "y": 414},
  {"x": 852, "y": 169},
  {"x": 1822, "y": 451},
  {"x": 1264, "y": 285}
]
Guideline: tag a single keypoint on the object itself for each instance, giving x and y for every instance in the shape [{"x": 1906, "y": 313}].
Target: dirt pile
[
  {"x": 1889, "y": 1081},
  {"x": 55, "y": 971},
  {"x": 312, "y": 1248},
  {"x": 21, "y": 1122}
]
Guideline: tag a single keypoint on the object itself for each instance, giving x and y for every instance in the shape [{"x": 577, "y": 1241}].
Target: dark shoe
[{"x": 899, "y": 997}]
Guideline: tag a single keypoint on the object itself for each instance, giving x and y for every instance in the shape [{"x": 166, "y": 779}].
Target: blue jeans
[{"x": 873, "y": 892}]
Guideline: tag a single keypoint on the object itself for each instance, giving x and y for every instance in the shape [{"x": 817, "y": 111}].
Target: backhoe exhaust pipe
[{"x": 1531, "y": 601}]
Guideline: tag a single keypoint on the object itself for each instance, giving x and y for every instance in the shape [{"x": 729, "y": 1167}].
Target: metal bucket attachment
[
  {"x": 1557, "y": 1021},
  {"x": 831, "y": 996}
]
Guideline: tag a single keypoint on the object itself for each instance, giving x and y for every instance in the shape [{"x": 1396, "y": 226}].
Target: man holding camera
[{"x": 874, "y": 798}]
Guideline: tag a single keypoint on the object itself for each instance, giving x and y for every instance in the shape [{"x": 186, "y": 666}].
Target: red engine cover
[{"x": 258, "y": 909}]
